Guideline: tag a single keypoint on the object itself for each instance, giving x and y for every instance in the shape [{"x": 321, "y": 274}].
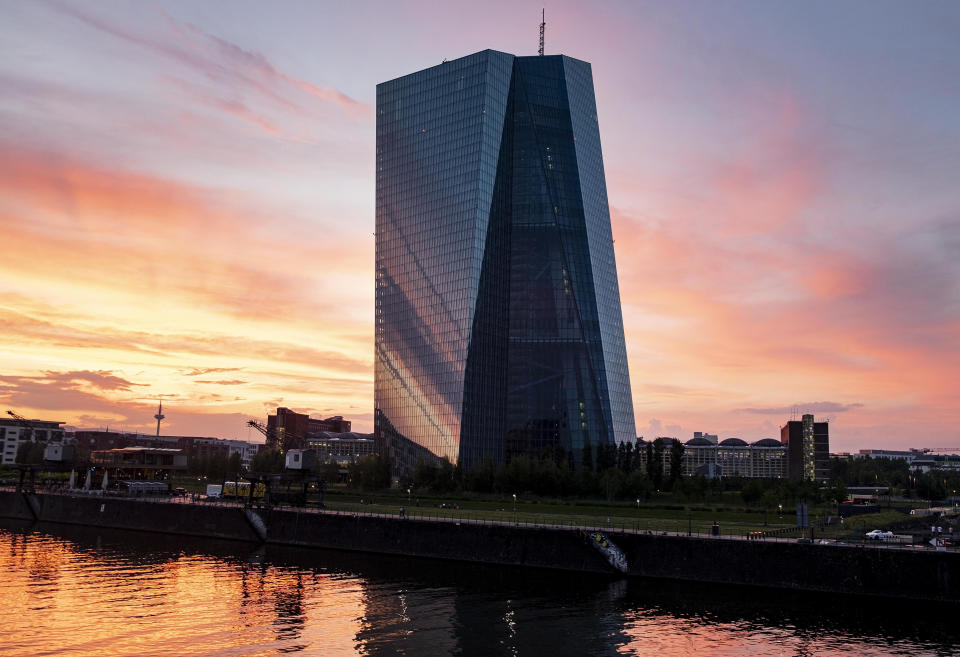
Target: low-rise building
[
  {"x": 342, "y": 447},
  {"x": 140, "y": 462},
  {"x": 733, "y": 457},
  {"x": 194, "y": 447},
  {"x": 13, "y": 434}
]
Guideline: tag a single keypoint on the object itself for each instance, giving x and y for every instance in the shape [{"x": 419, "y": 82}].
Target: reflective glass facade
[{"x": 498, "y": 323}]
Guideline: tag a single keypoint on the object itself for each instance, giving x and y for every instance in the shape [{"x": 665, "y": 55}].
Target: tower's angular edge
[{"x": 498, "y": 322}]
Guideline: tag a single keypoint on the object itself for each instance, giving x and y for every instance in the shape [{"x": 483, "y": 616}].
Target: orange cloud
[{"x": 113, "y": 274}]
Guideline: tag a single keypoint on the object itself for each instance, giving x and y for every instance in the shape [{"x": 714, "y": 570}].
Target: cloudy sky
[{"x": 187, "y": 195}]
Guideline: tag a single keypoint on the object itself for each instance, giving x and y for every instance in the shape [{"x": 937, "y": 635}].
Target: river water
[{"x": 81, "y": 591}]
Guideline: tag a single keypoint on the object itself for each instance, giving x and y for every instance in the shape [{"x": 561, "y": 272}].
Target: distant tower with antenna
[
  {"x": 159, "y": 416},
  {"x": 543, "y": 27}
]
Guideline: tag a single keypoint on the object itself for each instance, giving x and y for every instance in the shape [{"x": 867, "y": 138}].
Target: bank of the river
[{"x": 875, "y": 571}]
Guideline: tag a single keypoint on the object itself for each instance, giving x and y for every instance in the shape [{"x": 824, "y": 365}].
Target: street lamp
[
  {"x": 780, "y": 510},
  {"x": 514, "y": 508},
  {"x": 408, "y": 495}
]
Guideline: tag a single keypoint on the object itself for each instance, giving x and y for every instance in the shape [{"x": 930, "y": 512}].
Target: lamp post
[
  {"x": 514, "y": 508},
  {"x": 409, "y": 490},
  {"x": 638, "y": 514},
  {"x": 780, "y": 510}
]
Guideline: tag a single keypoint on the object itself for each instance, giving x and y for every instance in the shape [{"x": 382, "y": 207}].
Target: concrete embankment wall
[
  {"x": 120, "y": 513},
  {"x": 870, "y": 570},
  {"x": 919, "y": 574}
]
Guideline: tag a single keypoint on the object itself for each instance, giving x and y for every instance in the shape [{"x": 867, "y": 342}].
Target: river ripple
[{"x": 77, "y": 591}]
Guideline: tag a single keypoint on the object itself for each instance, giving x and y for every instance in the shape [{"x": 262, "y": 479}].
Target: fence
[{"x": 612, "y": 525}]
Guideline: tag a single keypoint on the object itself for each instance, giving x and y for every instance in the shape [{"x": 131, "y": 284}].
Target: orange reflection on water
[{"x": 101, "y": 602}]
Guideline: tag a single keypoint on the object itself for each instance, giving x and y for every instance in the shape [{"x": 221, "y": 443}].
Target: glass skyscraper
[{"x": 498, "y": 322}]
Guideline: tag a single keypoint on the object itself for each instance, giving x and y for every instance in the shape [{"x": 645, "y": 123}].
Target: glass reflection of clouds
[{"x": 498, "y": 323}]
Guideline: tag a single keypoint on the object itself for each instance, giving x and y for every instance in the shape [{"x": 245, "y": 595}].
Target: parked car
[{"x": 879, "y": 535}]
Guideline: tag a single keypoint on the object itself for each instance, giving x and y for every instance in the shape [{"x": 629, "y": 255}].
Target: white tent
[
  {"x": 86, "y": 485},
  {"x": 104, "y": 486}
]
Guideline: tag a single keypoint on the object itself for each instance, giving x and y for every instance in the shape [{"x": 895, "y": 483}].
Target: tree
[
  {"x": 370, "y": 472},
  {"x": 839, "y": 493},
  {"x": 267, "y": 460},
  {"x": 588, "y": 457},
  {"x": 639, "y": 485},
  {"x": 769, "y": 500},
  {"x": 30, "y": 452},
  {"x": 649, "y": 451},
  {"x": 613, "y": 483},
  {"x": 656, "y": 467},
  {"x": 606, "y": 456},
  {"x": 480, "y": 477},
  {"x": 425, "y": 475},
  {"x": 676, "y": 461},
  {"x": 628, "y": 458},
  {"x": 234, "y": 463},
  {"x": 752, "y": 492}
]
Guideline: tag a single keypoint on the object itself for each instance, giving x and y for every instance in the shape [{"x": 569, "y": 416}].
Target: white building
[
  {"x": 13, "y": 434},
  {"x": 245, "y": 449}
]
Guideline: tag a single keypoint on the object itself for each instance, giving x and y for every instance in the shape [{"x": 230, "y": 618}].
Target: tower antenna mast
[
  {"x": 159, "y": 416},
  {"x": 543, "y": 25}
]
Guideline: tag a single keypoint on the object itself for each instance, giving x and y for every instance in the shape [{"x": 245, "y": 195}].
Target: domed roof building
[
  {"x": 768, "y": 442},
  {"x": 733, "y": 442},
  {"x": 734, "y": 457}
]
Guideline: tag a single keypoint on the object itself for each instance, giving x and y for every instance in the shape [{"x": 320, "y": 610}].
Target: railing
[{"x": 612, "y": 525}]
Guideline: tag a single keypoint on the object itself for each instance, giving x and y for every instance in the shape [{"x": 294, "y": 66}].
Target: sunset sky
[{"x": 187, "y": 206}]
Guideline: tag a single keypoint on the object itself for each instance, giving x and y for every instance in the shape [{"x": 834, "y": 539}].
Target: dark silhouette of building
[
  {"x": 292, "y": 429},
  {"x": 498, "y": 323},
  {"x": 808, "y": 449},
  {"x": 193, "y": 447}
]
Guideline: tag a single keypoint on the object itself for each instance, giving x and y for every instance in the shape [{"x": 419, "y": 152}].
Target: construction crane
[
  {"x": 23, "y": 422},
  {"x": 267, "y": 433},
  {"x": 282, "y": 439}
]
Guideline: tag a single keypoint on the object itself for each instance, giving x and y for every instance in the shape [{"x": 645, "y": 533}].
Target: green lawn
[
  {"x": 649, "y": 516},
  {"x": 662, "y": 512}
]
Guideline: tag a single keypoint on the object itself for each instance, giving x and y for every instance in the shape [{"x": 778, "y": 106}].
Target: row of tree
[
  {"x": 608, "y": 471},
  {"x": 618, "y": 473}
]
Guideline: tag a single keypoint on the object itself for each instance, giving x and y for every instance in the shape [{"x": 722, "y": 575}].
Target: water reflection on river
[{"x": 77, "y": 591}]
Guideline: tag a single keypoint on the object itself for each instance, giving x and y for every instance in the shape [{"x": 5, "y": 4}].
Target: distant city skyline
[{"x": 186, "y": 200}]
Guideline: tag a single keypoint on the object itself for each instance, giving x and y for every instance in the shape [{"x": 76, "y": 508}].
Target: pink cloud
[{"x": 219, "y": 61}]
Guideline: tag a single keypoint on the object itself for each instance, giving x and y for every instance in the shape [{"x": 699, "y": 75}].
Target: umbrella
[
  {"x": 73, "y": 475},
  {"x": 86, "y": 486},
  {"x": 104, "y": 486}
]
